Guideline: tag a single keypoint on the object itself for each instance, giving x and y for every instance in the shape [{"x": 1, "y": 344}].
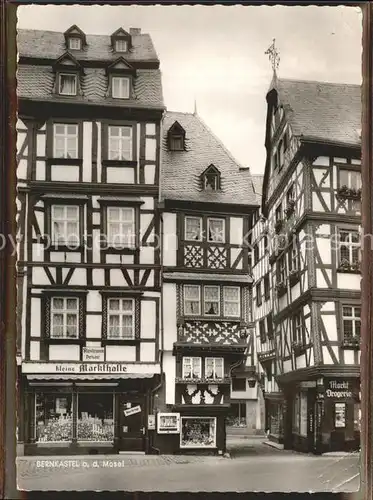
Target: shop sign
[
  {"x": 132, "y": 411},
  {"x": 94, "y": 354},
  {"x": 151, "y": 422},
  {"x": 307, "y": 384},
  {"x": 89, "y": 367},
  {"x": 168, "y": 423},
  {"x": 338, "y": 389}
]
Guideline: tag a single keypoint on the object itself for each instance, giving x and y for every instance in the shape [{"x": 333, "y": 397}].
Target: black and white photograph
[{"x": 189, "y": 248}]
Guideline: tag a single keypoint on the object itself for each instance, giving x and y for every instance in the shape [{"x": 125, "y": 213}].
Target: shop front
[
  {"x": 86, "y": 413},
  {"x": 274, "y": 410}
]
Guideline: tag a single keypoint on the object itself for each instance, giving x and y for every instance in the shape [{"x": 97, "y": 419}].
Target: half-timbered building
[
  {"x": 89, "y": 121},
  {"x": 207, "y": 207},
  {"x": 306, "y": 294}
]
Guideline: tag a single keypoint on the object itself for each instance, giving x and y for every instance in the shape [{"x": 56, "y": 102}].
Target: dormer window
[
  {"x": 121, "y": 45},
  {"x": 67, "y": 84},
  {"x": 211, "y": 179},
  {"x": 120, "y": 87},
  {"x": 120, "y": 74},
  {"x": 75, "y": 43},
  {"x": 176, "y": 137}
]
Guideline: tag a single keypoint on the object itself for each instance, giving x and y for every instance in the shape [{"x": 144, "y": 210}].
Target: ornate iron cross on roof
[{"x": 273, "y": 55}]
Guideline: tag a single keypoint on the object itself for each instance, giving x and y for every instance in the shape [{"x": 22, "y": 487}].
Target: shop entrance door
[{"x": 132, "y": 424}]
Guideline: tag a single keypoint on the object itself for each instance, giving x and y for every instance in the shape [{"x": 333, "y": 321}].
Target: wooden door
[{"x": 132, "y": 424}]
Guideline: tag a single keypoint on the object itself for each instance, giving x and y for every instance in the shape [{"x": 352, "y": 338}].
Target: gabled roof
[
  {"x": 51, "y": 45},
  {"x": 322, "y": 111},
  {"x": 181, "y": 170},
  {"x": 74, "y": 30},
  {"x": 120, "y": 32},
  {"x": 61, "y": 61}
]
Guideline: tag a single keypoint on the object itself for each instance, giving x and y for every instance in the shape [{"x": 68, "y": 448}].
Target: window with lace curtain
[
  {"x": 64, "y": 318},
  {"x": 212, "y": 301},
  {"x": 215, "y": 230},
  {"x": 67, "y": 84},
  {"x": 192, "y": 368},
  {"x": 121, "y": 227},
  {"x": 120, "y": 143},
  {"x": 121, "y": 319},
  {"x": 214, "y": 368},
  {"x": 232, "y": 301},
  {"x": 65, "y": 225},
  {"x": 192, "y": 300},
  {"x": 65, "y": 140},
  {"x": 193, "y": 228}
]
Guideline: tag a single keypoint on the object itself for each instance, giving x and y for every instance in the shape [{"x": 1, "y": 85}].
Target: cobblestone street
[{"x": 253, "y": 466}]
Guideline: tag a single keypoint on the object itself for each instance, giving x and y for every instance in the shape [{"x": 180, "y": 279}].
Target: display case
[{"x": 168, "y": 423}]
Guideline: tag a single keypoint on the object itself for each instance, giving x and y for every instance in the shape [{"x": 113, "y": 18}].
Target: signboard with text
[
  {"x": 96, "y": 354},
  {"x": 132, "y": 411},
  {"x": 79, "y": 367},
  {"x": 338, "y": 389}
]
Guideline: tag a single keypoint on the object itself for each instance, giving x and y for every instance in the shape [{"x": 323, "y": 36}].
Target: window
[
  {"x": 281, "y": 269},
  {"x": 120, "y": 143},
  {"x": 266, "y": 287},
  {"x": 238, "y": 384},
  {"x": 198, "y": 432},
  {"x": 67, "y": 84},
  {"x": 75, "y": 43},
  {"x": 259, "y": 294},
  {"x": 120, "y": 87},
  {"x": 349, "y": 247},
  {"x": 351, "y": 316},
  {"x": 65, "y": 140},
  {"x": 278, "y": 214},
  {"x": 231, "y": 300},
  {"x": 121, "y": 227},
  {"x": 207, "y": 303},
  {"x": 192, "y": 300},
  {"x": 269, "y": 321},
  {"x": 192, "y": 368},
  {"x": 215, "y": 230},
  {"x": 176, "y": 142},
  {"x": 339, "y": 415},
  {"x": 298, "y": 329},
  {"x": 211, "y": 179},
  {"x": 53, "y": 418},
  {"x": 64, "y": 318},
  {"x": 214, "y": 368},
  {"x": 256, "y": 253},
  {"x": 95, "y": 420},
  {"x": 121, "y": 45},
  {"x": 211, "y": 300},
  {"x": 262, "y": 331},
  {"x": 65, "y": 225},
  {"x": 290, "y": 195},
  {"x": 350, "y": 179},
  {"x": 294, "y": 255},
  {"x": 237, "y": 415},
  {"x": 193, "y": 228},
  {"x": 121, "y": 319}
]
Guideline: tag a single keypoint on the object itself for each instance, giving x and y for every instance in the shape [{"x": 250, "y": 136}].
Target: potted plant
[{"x": 344, "y": 192}]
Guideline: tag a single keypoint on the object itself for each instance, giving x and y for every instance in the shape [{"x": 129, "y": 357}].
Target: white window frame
[
  {"x": 353, "y": 318},
  {"x": 209, "y": 219},
  {"x": 298, "y": 326},
  {"x": 121, "y": 45},
  {"x": 123, "y": 86},
  {"x": 65, "y": 135},
  {"x": 206, "y": 287},
  {"x": 120, "y": 312},
  {"x": 350, "y": 244},
  {"x": 122, "y": 139},
  {"x": 189, "y": 217},
  {"x": 186, "y": 299},
  {"x": 60, "y": 75},
  {"x": 75, "y": 43},
  {"x": 213, "y": 445},
  {"x": 121, "y": 240},
  {"x": 192, "y": 360},
  {"x": 238, "y": 301},
  {"x": 294, "y": 257},
  {"x": 64, "y": 240},
  {"x": 350, "y": 174},
  {"x": 214, "y": 359},
  {"x": 64, "y": 312}
]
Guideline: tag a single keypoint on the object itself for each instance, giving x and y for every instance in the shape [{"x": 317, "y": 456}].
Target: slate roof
[
  {"x": 51, "y": 45},
  {"x": 181, "y": 170},
  {"x": 329, "y": 112},
  {"x": 258, "y": 186},
  {"x": 37, "y": 82}
]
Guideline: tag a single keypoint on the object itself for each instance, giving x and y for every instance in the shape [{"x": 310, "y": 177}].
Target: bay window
[
  {"x": 349, "y": 247},
  {"x": 351, "y": 317},
  {"x": 64, "y": 318},
  {"x": 192, "y": 300},
  {"x": 120, "y": 143},
  {"x": 349, "y": 178},
  {"x": 192, "y": 368},
  {"x": 121, "y": 319},
  {"x": 231, "y": 301},
  {"x": 212, "y": 301}
]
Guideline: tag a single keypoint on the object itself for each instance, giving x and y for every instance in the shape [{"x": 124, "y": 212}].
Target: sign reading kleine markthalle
[
  {"x": 338, "y": 389},
  {"x": 82, "y": 368}
]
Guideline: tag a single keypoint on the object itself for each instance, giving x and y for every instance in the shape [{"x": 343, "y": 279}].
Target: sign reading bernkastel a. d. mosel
[{"x": 338, "y": 389}]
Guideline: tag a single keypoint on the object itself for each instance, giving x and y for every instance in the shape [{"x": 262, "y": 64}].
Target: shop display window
[
  {"x": 53, "y": 417},
  {"x": 198, "y": 432},
  {"x": 340, "y": 415},
  {"x": 95, "y": 417},
  {"x": 237, "y": 415}
]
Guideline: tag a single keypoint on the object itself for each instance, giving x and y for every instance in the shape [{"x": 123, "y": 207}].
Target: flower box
[
  {"x": 346, "y": 193},
  {"x": 349, "y": 267},
  {"x": 298, "y": 348},
  {"x": 351, "y": 343}
]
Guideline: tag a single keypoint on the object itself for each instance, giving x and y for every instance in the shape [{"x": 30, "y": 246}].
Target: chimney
[{"x": 135, "y": 31}]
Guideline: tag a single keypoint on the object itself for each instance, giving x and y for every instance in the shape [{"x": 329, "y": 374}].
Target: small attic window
[
  {"x": 176, "y": 137},
  {"x": 75, "y": 43},
  {"x": 121, "y": 45},
  {"x": 211, "y": 179}
]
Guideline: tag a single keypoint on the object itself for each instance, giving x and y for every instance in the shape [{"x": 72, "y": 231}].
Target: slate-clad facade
[{"x": 306, "y": 271}]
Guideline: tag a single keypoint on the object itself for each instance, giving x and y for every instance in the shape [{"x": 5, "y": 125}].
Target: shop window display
[
  {"x": 237, "y": 417},
  {"x": 198, "y": 432},
  {"x": 95, "y": 417},
  {"x": 53, "y": 417}
]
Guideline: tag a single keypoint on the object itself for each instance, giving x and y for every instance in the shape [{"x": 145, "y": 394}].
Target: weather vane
[{"x": 273, "y": 55}]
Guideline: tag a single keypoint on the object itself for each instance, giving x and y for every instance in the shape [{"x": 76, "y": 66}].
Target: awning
[{"x": 88, "y": 376}]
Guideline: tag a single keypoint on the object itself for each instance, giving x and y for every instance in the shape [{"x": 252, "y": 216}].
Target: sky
[{"x": 214, "y": 56}]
